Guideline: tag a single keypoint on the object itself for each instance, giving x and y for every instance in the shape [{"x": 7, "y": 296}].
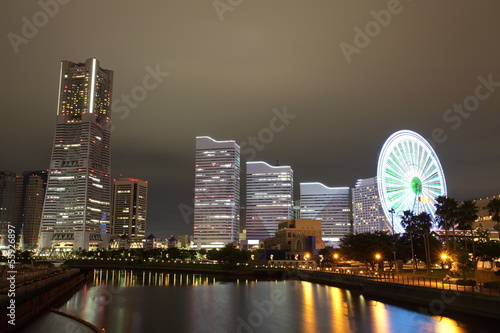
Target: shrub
[
  {"x": 466, "y": 282},
  {"x": 492, "y": 285}
]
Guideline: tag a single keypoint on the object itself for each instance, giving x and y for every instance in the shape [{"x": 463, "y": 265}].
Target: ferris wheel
[{"x": 409, "y": 176}]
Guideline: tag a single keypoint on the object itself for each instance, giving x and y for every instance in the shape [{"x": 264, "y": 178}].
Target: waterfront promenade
[{"x": 419, "y": 281}]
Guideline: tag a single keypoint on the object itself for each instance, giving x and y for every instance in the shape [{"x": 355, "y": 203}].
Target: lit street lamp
[
  {"x": 392, "y": 212},
  {"x": 444, "y": 258},
  {"x": 377, "y": 257},
  {"x": 335, "y": 258}
]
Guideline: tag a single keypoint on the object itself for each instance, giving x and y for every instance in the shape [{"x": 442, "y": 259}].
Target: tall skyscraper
[
  {"x": 331, "y": 205},
  {"x": 76, "y": 212},
  {"x": 367, "y": 212},
  {"x": 130, "y": 199},
  {"x": 217, "y": 193},
  {"x": 7, "y": 199},
  {"x": 30, "y": 194},
  {"x": 269, "y": 199}
]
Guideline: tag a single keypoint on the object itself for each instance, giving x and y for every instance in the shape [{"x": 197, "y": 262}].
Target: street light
[
  {"x": 377, "y": 257},
  {"x": 335, "y": 258},
  {"x": 444, "y": 258},
  {"x": 392, "y": 212}
]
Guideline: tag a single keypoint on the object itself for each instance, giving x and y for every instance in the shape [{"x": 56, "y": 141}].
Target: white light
[
  {"x": 92, "y": 87},
  {"x": 60, "y": 84}
]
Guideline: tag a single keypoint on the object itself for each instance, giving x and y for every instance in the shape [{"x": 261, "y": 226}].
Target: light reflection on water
[{"x": 146, "y": 301}]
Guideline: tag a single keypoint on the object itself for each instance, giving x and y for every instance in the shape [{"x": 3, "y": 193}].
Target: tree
[
  {"x": 408, "y": 223},
  {"x": 446, "y": 210},
  {"x": 423, "y": 224},
  {"x": 231, "y": 256},
  {"x": 466, "y": 215},
  {"x": 362, "y": 247},
  {"x": 494, "y": 208}
]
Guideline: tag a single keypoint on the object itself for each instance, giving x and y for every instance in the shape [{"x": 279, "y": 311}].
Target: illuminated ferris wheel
[{"x": 409, "y": 176}]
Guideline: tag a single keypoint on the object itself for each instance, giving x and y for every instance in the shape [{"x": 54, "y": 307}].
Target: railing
[{"x": 391, "y": 277}]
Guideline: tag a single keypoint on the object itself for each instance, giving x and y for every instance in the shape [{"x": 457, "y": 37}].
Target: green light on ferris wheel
[{"x": 416, "y": 185}]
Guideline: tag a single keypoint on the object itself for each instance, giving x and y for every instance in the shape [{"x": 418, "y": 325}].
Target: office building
[
  {"x": 269, "y": 199},
  {"x": 76, "y": 212},
  {"x": 331, "y": 205},
  {"x": 7, "y": 199},
  {"x": 367, "y": 212},
  {"x": 217, "y": 193},
  {"x": 130, "y": 197},
  {"x": 30, "y": 194}
]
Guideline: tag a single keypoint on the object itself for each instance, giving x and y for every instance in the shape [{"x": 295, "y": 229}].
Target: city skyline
[{"x": 273, "y": 77}]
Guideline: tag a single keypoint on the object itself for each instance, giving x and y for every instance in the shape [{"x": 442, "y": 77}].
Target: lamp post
[
  {"x": 392, "y": 212},
  {"x": 335, "y": 258},
  {"x": 377, "y": 257},
  {"x": 444, "y": 258}
]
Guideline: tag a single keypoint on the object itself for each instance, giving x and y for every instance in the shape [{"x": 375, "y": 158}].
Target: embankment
[
  {"x": 29, "y": 299},
  {"x": 430, "y": 300},
  {"x": 185, "y": 268}
]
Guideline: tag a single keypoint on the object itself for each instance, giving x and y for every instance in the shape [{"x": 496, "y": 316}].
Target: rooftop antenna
[{"x": 277, "y": 161}]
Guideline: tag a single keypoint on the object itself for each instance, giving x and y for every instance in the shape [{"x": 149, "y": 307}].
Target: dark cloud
[{"x": 226, "y": 77}]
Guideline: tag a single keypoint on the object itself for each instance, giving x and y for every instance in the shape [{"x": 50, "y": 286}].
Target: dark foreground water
[{"x": 135, "y": 302}]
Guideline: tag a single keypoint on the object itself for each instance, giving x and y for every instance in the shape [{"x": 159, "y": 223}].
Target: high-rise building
[
  {"x": 30, "y": 194},
  {"x": 76, "y": 212},
  {"x": 130, "y": 197},
  {"x": 217, "y": 193},
  {"x": 7, "y": 199},
  {"x": 269, "y": 199},
  {"x": 367, "y": 212},
  {"x": 331, "y": 205}
]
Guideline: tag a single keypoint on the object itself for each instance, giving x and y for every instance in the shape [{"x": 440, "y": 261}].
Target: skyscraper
[
  {"x": 331, "y": 205},
  {"x": 367, "y": 212},
  {"x": 76, "y": 212},
  {"x": 30, "y": 194},
  {"x": 130, "y": 198},
  {"x": 217, "y": 192},
  {"x": 7, "y": 195},
  {"x": 269, "y": 199}
]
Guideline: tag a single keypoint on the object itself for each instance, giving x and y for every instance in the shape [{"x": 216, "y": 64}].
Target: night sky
[{"x": 345, "y": 81}]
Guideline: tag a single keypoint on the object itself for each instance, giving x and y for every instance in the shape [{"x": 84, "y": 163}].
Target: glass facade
[
  {"x": 130, "y": 198},
  {"x": 331, "y": 205},
  {"x": 217, "y": 193},
  {"x": 269, "y": 199},
  {"x": 367, "y": 212},
  {"x": 76, "y": 211}
]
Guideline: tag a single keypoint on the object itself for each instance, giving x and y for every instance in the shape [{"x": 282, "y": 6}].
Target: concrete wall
[
  {"x": 39, "y": 296},
  {"x": 432, "y": 301}
]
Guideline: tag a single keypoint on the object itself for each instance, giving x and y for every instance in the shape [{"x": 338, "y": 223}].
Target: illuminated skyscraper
[
  {"x": 367, "y": 212},
  {"x": 130, "y": 198},
  {"x": 30, "y": 194},
  {"x": 76, "y": 212},
  {"x": 217, "y": 193},
  {"x": 7, "y": 196},
  {"x": 269, "y": 199},
  {"x": 331, "y": 205}
]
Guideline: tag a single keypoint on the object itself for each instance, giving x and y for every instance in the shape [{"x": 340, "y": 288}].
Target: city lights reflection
[{"x": 128, "y": 301}]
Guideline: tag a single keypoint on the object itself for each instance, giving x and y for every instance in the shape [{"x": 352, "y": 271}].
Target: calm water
[{"x": 135, "y": 302}]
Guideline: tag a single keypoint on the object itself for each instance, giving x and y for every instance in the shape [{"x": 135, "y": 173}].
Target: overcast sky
[{"x": 345, "y": 80}]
